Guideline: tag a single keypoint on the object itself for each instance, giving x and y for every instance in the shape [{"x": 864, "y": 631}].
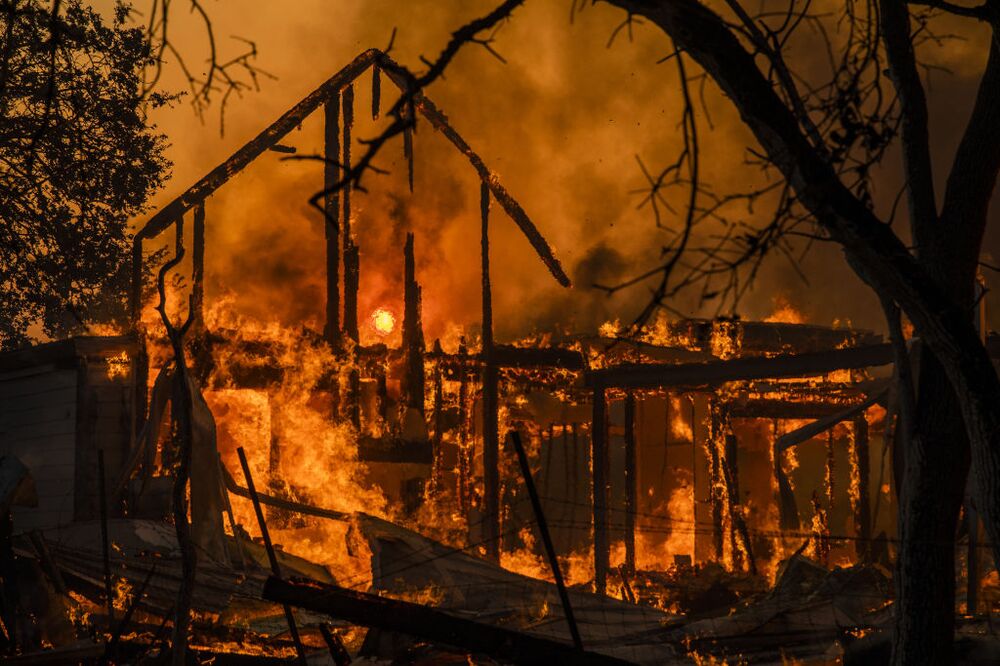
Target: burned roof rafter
[{"x": 276, "y": 131}]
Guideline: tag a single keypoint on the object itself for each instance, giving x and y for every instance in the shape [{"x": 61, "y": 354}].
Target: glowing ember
[{"x": 382, "y": 321}]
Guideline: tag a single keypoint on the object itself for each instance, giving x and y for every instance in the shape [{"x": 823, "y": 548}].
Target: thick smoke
[{"x": 561, "y": 123}]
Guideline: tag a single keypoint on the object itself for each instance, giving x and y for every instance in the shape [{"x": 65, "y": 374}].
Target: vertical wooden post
[
  {"x": 715, "y": 482},
  {"x": 198, "y": 268},
  {"x": 331, "y": 211},
  {"x": 350, "y": 250},
  {"x": 413, "y": 333},
  {"x": 348, "y": 111},
  {"x": 863, "y": 515},
  {"x": 351, "y": 279},
  {"x": 630, "y": 482},
  {"x": 600, "y": 464},
  {"x": 464, "y": 450},
  {"x": 437, "y": 417},
  {"x": 491, "y": 434},
  {"x": 830, "y": 460}
]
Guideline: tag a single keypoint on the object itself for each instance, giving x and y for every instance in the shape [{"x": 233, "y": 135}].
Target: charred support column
[
  {"x": 491, "y": 427},
  {"x": 715, "y": 482},
  {"x": 351, "y": 278},
  {"x": 198, "y": 269},
  {"x": 331, "y": 210},
  {"x": 438, "y": 420},
  {"x": 600, "y": 465},
  {"x": 464, "y": 448},
  {"x": 863, "y": 510},
  {"x": 350, "y": 285},
  {"x": 631, "y": 480},
  {"x": 413, "y": 332}
]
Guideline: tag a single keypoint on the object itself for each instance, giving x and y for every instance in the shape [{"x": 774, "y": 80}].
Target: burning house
[{"x": 711, "y": 486}]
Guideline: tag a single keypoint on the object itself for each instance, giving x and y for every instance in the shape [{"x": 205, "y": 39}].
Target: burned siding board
[
  {"x": 43, "y": 437},
  {"x": 58, "y": 403},
  {"x": 50, "y": 381}
]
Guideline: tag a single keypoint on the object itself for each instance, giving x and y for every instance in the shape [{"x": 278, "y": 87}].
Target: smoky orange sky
[{"x": 561, "y": 123}]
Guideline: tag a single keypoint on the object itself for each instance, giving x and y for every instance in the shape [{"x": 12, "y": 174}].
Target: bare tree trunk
[{"x": 937, "y": 464}]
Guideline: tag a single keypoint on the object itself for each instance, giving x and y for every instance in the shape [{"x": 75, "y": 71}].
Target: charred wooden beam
[
  {"x": 788, "y": 512},
  {"x": 491, "y": 425},
  {"x": 271, "y": 135},
  {"x": 438, "y": 420},
  {"x": 716, "y": 482},
  {"x": 218, "y": 176},
  {"x": 787, "y": 409},
  {"x": 464, "y": 445},
  {"x": 509, "y": 356},
  {"x": 631, "y": 499},
  {"x": 413, "y": 332},
  {"x": 600, "y": 464},
  {"x": 331, "y": 213},
  {"x": 862, "y": 517},
  {"x": 352, "y": 267},
  {"x": 352, "y": 279},
  {"x": 818, "y": 427},
  {"x": 347, "y": 98},
  {"x": 279, "y": 503},
  {"x": 427, "y": 623},
  {"x": 198, "y": 268},
  {"x": 489, "y": 179},
  {"x": 712, "y": 373}
]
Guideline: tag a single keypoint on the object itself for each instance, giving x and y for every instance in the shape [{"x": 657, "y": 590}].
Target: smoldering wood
[
  {"x": 198, "y": 268},
  {"x": 829, "y": 472},
  {"x": 631, "y": 482},
  {"x": 352, "y": 280},
  {"x": 464, "y": 445},
  {"x": 413, "y": 332},
  {"x": 788, "y": 511},
  {"x": 715, "y": 481},
  {"x": 347, "y": 100},
  {"x": 437, "y": 418},
  {"x": 352, "y": 267},
  {"x": 279, "y": 503},
  {"x": 818, "y": 427},
  {"x": 740, "y": 532},
  {"x": 121, "y": 627},
  {"x": 490, "y": 381},
  {"x": 428, "y": 623},
  {"x": 376, "y": 91},
  {"x": 713, "y": 373},
  {"x": 338, "y": 652},
  {"x": 600, "y": 462},
  {"x": 408, "y": 154},
  {"x": 331, "y": 213},
  {"x": 863, "y": 513}
]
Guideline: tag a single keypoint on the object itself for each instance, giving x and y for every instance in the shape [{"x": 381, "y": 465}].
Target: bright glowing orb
[{"x": 382, "y": 321}]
